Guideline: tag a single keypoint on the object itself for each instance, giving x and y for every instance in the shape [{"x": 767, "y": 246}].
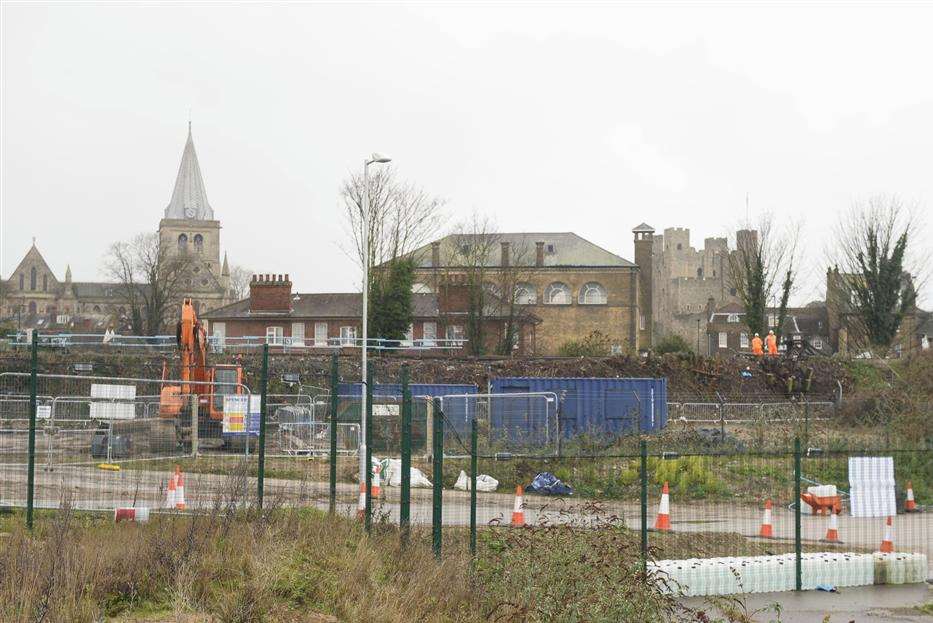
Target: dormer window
[{"x": 550, "y": 249}]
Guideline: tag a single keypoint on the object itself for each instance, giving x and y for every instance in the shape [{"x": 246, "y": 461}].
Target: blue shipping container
[{"x": 595, "y": 406}]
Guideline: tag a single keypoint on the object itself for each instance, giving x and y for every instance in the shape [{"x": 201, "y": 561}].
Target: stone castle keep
[{"x": 678, "y": 280}]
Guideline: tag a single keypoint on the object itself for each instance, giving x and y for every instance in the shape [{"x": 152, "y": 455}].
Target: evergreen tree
[
  {"x": 390, "y": 300},
  {"x": 874, "y": 239}
]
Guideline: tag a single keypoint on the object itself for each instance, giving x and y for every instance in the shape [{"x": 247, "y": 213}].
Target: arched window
[
  {"x": 420, "y": 288},
  {"x": 32, "y": 278},
  {"x": 198, "y": 243},
  {"x": 557, "y": 294},
  {"x": 592, "y": 293},
  {"x": 525, "y": 294},
  {"x": 45, "y": 283},
  {"x": 22, "y": 281},
  {"x": 183, "y": 242}
]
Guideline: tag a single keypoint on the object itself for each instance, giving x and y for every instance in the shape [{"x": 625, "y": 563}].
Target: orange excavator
[{"x": 209, "y": 383}]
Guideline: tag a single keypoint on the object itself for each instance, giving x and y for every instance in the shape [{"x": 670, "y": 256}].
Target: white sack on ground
[
  {"x": 484, "y": 482},
  {"x": 393, "y": 475}
]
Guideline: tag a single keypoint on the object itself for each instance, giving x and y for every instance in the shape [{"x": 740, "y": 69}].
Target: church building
[{"x": 33, "y": 296}]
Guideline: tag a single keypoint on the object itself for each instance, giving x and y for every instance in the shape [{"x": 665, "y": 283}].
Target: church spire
[
  {"x": 189, "y": 197},
  {"x": 226, "y": 269},
  {"x": 68, "y": 273}
]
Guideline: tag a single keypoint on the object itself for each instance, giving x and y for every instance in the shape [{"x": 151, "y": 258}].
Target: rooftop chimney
[
  {"x": 436, "y": 254},
  {"x": 270, "y": 293},
  {"x": 505, "y": 254},
  {"x": 539, "y": 254}
]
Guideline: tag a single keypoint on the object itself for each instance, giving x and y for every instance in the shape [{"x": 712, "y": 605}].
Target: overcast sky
[{"x": 589, "y": 119}]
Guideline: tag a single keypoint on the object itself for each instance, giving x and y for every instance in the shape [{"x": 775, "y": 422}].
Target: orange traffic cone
[
  {"x": 376, "y": 487},
  {"x": 766, "y": 530},
  {"x": 832, "y": 532},
  {"x": 663, "y": 521},
  {"x": 910, "y": 505},
  {"x": 171, "y": 495},
  {"x": 518, "y": 512},
  {"x": 179, "y": 489},
  {"x": 361, "y": 506},
  {"x": 887, "y": 544}
]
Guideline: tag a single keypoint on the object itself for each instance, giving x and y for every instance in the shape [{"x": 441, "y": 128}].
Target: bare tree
[
  {"x": 880, "y": 273},
  {"x": 763, "y": 270},
  {"x": 150, "y": 278},
  {"x": 491, "y": 285},
  {"x": 402, "y": 216},
  {"x": 239, "y": 282}
]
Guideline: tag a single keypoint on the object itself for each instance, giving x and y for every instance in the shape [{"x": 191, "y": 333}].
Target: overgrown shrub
[
  {"x": 596, "y": 344},
  {"x": 672, "y": 344}
]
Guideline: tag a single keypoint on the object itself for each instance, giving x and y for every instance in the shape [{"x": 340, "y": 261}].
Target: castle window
[
  {"x": 557, "y": 294},
  {"x": 525, "y": 294},
  {"x": 700, "y": 273},
  {"x": 593, "y": 293},
  {"x": 183, "y": 242},
  {"x": 198, "y": 243},
  {"x": 679, "y": 246},
  {"x": 732, "y": 291},
  {"x": 22, "y": 281},
  {"x": 32, "y": 278},
  {"x": 45, "y": 283}
]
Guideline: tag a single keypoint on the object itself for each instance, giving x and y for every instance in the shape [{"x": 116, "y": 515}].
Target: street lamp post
[{"x": 373, "y": 159}]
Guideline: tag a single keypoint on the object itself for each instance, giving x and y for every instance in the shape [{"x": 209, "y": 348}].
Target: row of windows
[
  {"x": 275, "y": 335},
  {"x": 744, "y": 341},
  {"x": 198, "y": 242},
  {"x": 557, "y": 293}
]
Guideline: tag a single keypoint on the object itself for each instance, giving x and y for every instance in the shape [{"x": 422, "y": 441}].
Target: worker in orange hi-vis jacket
[
  {"x": 757, "y": 346},
  {"x": 771, "y": 341}
]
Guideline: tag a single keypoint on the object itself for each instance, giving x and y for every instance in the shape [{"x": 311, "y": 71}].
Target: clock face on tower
[{"x": 189, "y": 212}]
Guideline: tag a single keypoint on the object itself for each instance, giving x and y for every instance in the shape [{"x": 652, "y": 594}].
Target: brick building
[
  {"x": 565, "y": 287},
  {"x": 726, "y": 330},
  {"x": 311, "y": 320},
  {"x": 34, "y": 297}
]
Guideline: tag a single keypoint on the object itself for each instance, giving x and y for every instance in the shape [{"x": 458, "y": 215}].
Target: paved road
[
  {"x": 867, "y": 604},
  {"x": 93, "y": 489}
]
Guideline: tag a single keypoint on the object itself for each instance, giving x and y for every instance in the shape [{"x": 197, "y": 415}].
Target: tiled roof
[
  {"x": 560, "y": 249},
  {"x": 321, "y": 305}
]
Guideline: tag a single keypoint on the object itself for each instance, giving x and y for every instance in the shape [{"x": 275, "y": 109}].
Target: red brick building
[{"x": 320, "y": 320}]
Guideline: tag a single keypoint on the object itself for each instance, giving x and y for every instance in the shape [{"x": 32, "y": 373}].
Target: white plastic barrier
[{"x": 768, "y": 574}]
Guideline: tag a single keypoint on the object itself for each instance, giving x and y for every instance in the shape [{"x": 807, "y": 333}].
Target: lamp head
[{"x": 378, "y": 158}]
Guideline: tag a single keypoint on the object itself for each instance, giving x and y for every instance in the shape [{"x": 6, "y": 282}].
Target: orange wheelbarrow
[{"x": 822, "y": 505}]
